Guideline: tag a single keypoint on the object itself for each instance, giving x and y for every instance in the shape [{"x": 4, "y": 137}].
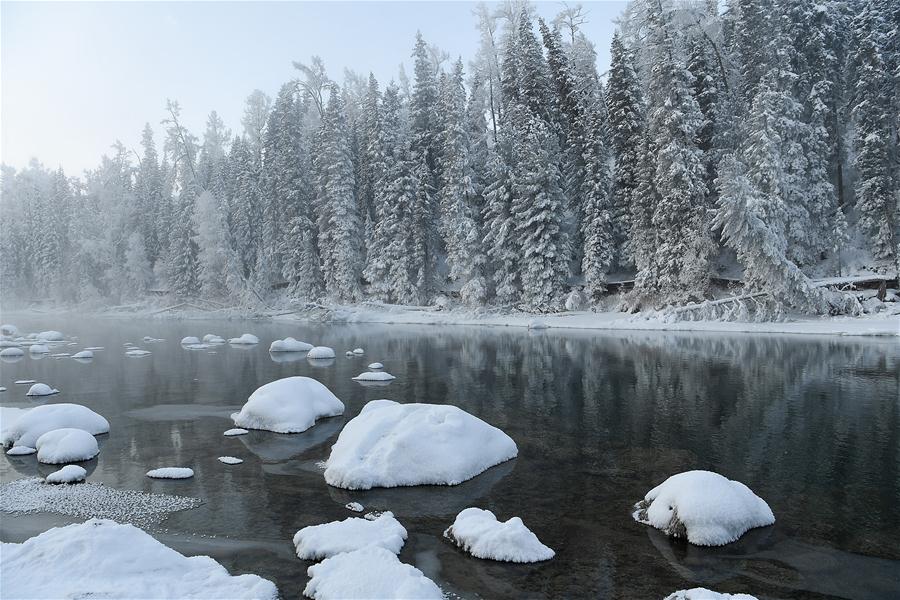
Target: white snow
[
  {"x": 321, "y": 541},
  {"x": 236, "y": 431},
  {"x": 537, "y": 324},
  {"x": 39, "y": 349},
  {"x": 211, "y": 338},
  {"x": 358, "y": 351},
  {"x": 41, "y": 389},
  {"x": 319, "y": 352},
  {"x": 11, "y": 352},
  {"x": 247, "y": 338},
  {"x": 376, "y": 365},
  {"x": 66, "y": 445},
  {"x": 9, "y": 329},
  {"x": 289, "y": 405},
  {"x": 479, "y": 533},
  {"x": 103, "y": 559},
  {"x": 188, "y": 340},
  {"x": 68, "y": 474},
  {"x": 2, "y": 389},
  {"x": 390, "y": 444},
  {"x": 705, "y": 594},
  {"x": 28, "y": 427},
  {"x": 708, "y": 509},
  {"x": 170, "y": 473},
  {"x": 289, "y": 344},
  {"x": 95, "y": 348},
  {"x": 21, "y": 451},
  {"x": 24, "y": 381},
  {"x": 374, "y": 376},
  {"x": 83, "y": 354},
  {"x": 370, "y": 572},
  {"x": 137, "y": 353},
  {"x": 230, "y": 460},
  {"x": 50, "y": 336},
  {"x": 354, "y": 506}
]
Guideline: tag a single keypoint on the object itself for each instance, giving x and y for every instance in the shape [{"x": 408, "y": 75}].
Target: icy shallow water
[{"x": 811, "y": 424}]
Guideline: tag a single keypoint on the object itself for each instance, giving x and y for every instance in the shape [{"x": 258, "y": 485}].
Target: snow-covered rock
[
  {"x": 374, "y": 376},
  {"x": 137, "y": 353},
  {"x": 390, "y": 444},
  {"x": 83, "y": 354},
  {"x": 289, "y": 405},
  {"x": 704, "y": 507},
  {"x": 370, "y": 572},
  {"x": 247, "y": 338},
  {"x": 41, "y": 389},
  {"x": 376, "y": 365},
  {"x": 2, "y": 389},
  {"x": 12, "y": 352},
  {"x": 537, "y": 324},
  {"x": 354, "y": 506},
  {"x": 230, "y": 460},
  {"x": 358, "y": 351},
  {"x": 705, "y": 594},
  {"x": 289, "y": 344},
  {"x": 170, "y": 473},
  {"x": 188, "y": 340},
  {"x": 103, "y": 559},
  {"x": 479, "y": 533},
  {"x": 24, "y": 381},
  {"x": 320, "y": 352},
  {"x": 68, "y": 474},
  {"x": 50, "y": 336},
  {"x": 211, "y": 338},
  {"x": 349, "y": 353},
  {"x": 21, "y": 451},
  {"x": 95, "y": 348},
  {"x": 9, "y": 329},
  {"x": 321, "y": 541},
  {"x": 27, "y": 428},
  {"x": 65, "y": 446},
  {"x": 236, "y": 431},
  {"x": 39, "y": 349}
]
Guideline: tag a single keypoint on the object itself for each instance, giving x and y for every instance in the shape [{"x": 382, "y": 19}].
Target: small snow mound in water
[
  {"x": 24, "y": 381},
  {"x": 358, "y": 351},
  {"x": 83, "y": 354},
  {"x": 704, "y": 507},
  {"x": 68, "y": 474},
  {"x": 321, "y": 541},
  {"x": 348, "y": 354},
  {"x": 2, "y": 389},
  {"x": 390, "y": 444},
  {"x": 50, "y": 336},
  {"x": 200, "y": 346},
  {"x": 95, "y": 348},
  {"x": 236, "y": 431},
  {"x": 28, "y": 427},
  {"x": 705, "y": 594},
  {"x": 376, "y": 365},
  {"x": 186, "y": 341},
  {"x": 171, "y": 473},
  {"x": 370, "y": 572},
  {"x": 21, "y": 450},
  {"x": 137, "y": 353},
  {"x": 103, "y": 559},
  {"x": 41, "y": 389},
  {"x": 289, "y": 344},
  {"x": 479, "y": 533},
  {"x": 39, "y": 349},
  {"x": 354, "y": 506},
  {"x": 536, "y": 324},
  {"x": 289, "y": 405},
  {"x": 9, "y": 329},
  {"x": 247, "y": 338},
  {"x": 230, "y": 460},
  {"x": 320, "y": 352},
  {"x": 66, "y": 445},
  {"x": 211, "y": 338},
  {"x": 374, "y": 376},
  {"x": 10, "y": 352}
]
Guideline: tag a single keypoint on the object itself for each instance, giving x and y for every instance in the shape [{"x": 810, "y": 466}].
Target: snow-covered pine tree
[
  {"x": 597, "y": 226},
  {"x": 501, "y": 243},
  {"x": 148, "y": 196}
]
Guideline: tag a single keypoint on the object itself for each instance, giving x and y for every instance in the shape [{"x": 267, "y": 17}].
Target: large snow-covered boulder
[
  {"x": 41, "y": 389},
  {"x": 103, "y": 559},
  {"x": 704, "y": 507},
  {"x": 66, "y": 445},
  {"x": 245, "y": 339},
  {"x": 68, "y": 474},
  {"x": 321, "y": 541},
  {"x": 289, "y": 405},
  {"x": 370, "y": 572},
  {"x": 390, "y": 444},
  {"x": 705, "y": 594},
  {"x": 320, "y": 353},
  {"x": 27, "y": 428},
  {"x": 12, "y": 352},
  {"x": 211, "y": 338},
  {"x": 374, "y": 376},
  {"x": 479, "y": 533},
  {"x": 289, "y": 344}
]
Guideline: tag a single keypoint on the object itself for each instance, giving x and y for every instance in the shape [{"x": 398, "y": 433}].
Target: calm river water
[{"x": 811, "y": 424}]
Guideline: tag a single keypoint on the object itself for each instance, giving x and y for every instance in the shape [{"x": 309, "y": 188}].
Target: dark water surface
[{"x": 811, "y": 424}]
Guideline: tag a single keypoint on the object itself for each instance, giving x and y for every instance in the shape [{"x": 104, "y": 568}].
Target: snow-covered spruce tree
[
  {"x": 148, "y": 196},
  {"x": 219, "y": 273},
  {"x": 501, "y": 243},
  {"x": 537, "y": 212},
  {"x": 371, "y": 152},
  {"x": 597, "y": 226},
  {"x": 402, "y": 262},
  {"x": 340, "y": 227},
  {"x": 752, "y": 39},
  {"x": 535, "y": 89},
  {"x": 459, "y": 202},
  {"x": 875, "y": 143},
  {"x": 625, "y": 110},
  {"x": 137, "y": 265}
]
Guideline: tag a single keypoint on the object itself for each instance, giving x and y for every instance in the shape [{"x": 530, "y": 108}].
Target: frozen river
[{"x": 811, "y": 424}]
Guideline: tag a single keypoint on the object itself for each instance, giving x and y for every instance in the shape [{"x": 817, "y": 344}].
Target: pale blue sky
[{"x": 76, "y": 76}]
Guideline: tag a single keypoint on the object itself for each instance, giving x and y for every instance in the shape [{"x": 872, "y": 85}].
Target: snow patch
[
  {"x": 374, "y": 376},
  {"x": 705, "y": 594},
  {"x": 137, "y": 353},
  {"x": 84, "y": 354},
  {"x": 236, "y": 431},
  {"x": 230, "y": 460},
  {"x": 321, "y": 541},
  {"x": 20, "y": 451},
  {"x": 66, "y": 445},
  {"x": 289, "y": 405},
  {"x": 479, "y": 533},
  {"x": 370, "y": 572},
  {"x": 68, "y": 474},
  {"x": 171, "y": 473}
]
